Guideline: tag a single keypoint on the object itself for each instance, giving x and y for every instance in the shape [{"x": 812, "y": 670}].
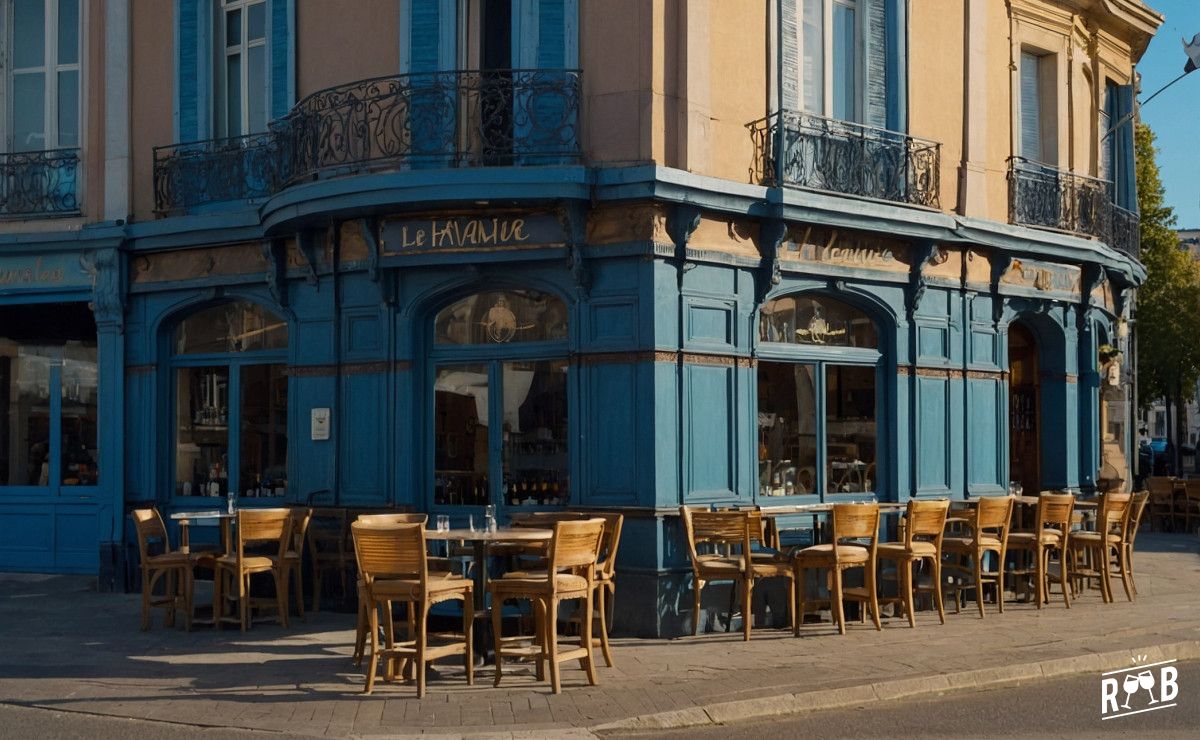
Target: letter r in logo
[
  {"x": 1108, "y": 696},
  {"x": 1168, "y": 684}
]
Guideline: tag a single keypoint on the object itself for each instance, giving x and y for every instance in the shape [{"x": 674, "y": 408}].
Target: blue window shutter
[
  {"x": 551, "y": 51},
  {"x": 282, "y": 36},
  {"x": 424, "y": 36},
  {"x": 875, "y": 102},
  {"x": 193, "y": 69},
  {"x": 1124, "y": 173},
  {"x": 790, "y": 84},
  {"x": 896, "y": 73},
  {"x": 1031, "y": 114}
]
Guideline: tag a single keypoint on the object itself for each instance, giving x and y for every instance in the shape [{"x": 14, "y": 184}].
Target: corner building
[{"x": 436, "y": 254}]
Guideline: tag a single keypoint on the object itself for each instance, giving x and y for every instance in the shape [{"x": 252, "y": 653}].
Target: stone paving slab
[{"x": 65, "y": 647}]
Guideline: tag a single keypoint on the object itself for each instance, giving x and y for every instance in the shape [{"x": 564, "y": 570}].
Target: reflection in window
[
  {"x": 239, "y": 326},
  {"x": 816, "y": 320},
  {"x": 787, "y": 428},
  {"x": 850, "y": 428},
  {"x": 501, "y": 317},
  {"x": 263, "y": 458},
  {"x": 536, "y": 468},
  {"x": 460, "y": 427},
  {"x": 48, "y": 352},
  {"x": 202, "y": 432}
]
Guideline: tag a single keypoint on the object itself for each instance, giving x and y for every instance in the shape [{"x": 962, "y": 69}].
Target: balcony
[
  {"x": 847, "y": 158},
  {"x": 516, "y": 117},
  {"x": 1050, "y": 198},
  {"x": 39, "y": 184}
]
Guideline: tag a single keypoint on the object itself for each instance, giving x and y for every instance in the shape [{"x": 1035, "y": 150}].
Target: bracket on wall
[
  {"x": 574, "y": 215},
  {"x": 306, "y": 245},
  {"x": 1000, "y": 265},
  {"x": 1090, "y": 278},
  {"x": 923, "y": 256},
  {"x": 772, "y": 232},
  {"x": 108, "y": 286},
  {"x": 682, "y": 222},
  {"x": 370, "y": 233}
]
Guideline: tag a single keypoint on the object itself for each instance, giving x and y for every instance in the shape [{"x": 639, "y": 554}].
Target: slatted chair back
[
  {"x": 263, "y": 525},
  {"x": 301, "y": 517},
  {"x": 1192, "y": 489},
  {"x": 1054, "y": 510},
  {"x": 148, "y": 524},
  {"x": 925, "y": 520},
  {"x": 1113, "y": 516},
  {"x": 576, "y": 544},
  {"x": 1137, "y": 507},
  {"x": 855, "y": 522},
  {"x": 612, "y": 540},
  {"x": 397, "y": 518},
  {"x": 994, "y": 514},
  {"x": 390, "y": 551},
  {"x": 1160, "y": 485},
  {"x": 716, "y": 528}
]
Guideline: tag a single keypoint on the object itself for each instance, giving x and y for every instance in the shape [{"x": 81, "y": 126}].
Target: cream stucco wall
[
  {"x": 151, "y": 94},
  {"x": 339, "y": 41}
]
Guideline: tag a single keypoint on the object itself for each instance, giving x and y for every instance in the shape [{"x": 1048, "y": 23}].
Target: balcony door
[{"x": 43, "y": 48}]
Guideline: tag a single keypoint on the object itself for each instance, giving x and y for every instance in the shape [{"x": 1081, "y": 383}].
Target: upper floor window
[
  {"x": 830, "y": 47},
  {"x": 242, "y": 67},
  {"x": 43, "y": 74},
  {"x": 1038, "y": 107}
]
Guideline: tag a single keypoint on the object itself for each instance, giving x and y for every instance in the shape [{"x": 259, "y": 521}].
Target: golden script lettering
[
  {"x": 31, "y": 275},
  {"x": 475, "y": 232}
]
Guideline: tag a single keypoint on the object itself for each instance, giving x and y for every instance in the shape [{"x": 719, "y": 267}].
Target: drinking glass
[
  {"x": 443, "y": 522},
  {"x": 471, "y": 520}
]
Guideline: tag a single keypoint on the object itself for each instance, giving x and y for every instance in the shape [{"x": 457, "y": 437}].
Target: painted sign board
[
  {"x": 463, "y": 233},
  {"x": 43, "y": 272}
]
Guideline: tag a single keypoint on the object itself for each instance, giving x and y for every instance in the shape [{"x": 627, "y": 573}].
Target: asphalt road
[
  {"x": 1063, "y": 708},
  {"x": 48, "y": 724}
]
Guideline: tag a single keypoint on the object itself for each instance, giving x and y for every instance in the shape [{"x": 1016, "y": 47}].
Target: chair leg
[
  {"x": 872, "y": 594},
  {"x": 792, "y": 602},
  {"x": 602, "y": 611},
  {"x": 360, "y": 631},
  {"x": 538, "y": 607},
  {"x": 468, "y": 610},
  {"x": 1040, "y": 575},
  {"x": 1062, "y": 575},
  {"x": 497, "y": 649},
  {"x": 906, "y": 584},
  {"x": 316, "y": 599},
  {"x": 218, "y": 605},
  {"x": 295, "y": 573},
  {"x": 551, "y": 647},
  {"x": 799, "y": 580},
  {"x": 373, "y": 658},
  {"x": 1126, "y": 574},
  {"x": 585, "y": 638},
  {"x": 281, "y": 597},
  {"x": 1000, "y": 581},
  {"x": 747, "y": 604},
  {"x": 422, "y": 610},
  {"x": 978, "y": 584},
  {"x": 697, "y": 584},
  {"x": 147, "y": 587},
  {"x": 243, "y": 601},
  {"x": 836, "y": 601},
  {"x": 937, "y": 590}
]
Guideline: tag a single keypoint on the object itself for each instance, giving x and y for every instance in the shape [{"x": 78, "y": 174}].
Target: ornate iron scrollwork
[
  {"x": 437, "y": 119},
  {"x": 843, "y": 157},
  {"x": 1051, "y": 198},
  {"x": 34, "y": 184}
]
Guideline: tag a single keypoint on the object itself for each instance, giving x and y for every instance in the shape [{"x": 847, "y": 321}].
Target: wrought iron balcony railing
[
  {"x": 438, "y": 119},
  {"x": 850, "y": 158},
  {"x": 1051, "y": 198},
  {"x": 39, "y": 184}
]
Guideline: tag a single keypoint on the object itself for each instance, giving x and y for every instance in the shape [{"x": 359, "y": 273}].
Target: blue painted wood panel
[
  {"x": 987, "y": 451},
  {"x": 363, "y": 436},
  {"x": 710, "y": 440},
  {"x": 932, "y": 441},
  {"x": 611, "y": 421}
]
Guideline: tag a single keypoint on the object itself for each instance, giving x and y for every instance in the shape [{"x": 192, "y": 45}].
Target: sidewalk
[{"x": 65, "y": 647}]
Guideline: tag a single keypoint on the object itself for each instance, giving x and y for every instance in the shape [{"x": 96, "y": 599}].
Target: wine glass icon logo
[
  {"x": 1146, "y": 680},
  {"x": 1131, "y": 684}
]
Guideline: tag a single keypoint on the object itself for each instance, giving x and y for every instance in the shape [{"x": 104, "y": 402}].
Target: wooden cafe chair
[
  {"x": 360, "y": 632},
  {"x": 1137, "y": 509},
  {"x": 1092, "y": 553},
  {"x": 255, "y": 527},
  {"x": 393, "y": 565},
  {"x": 1051, "y": 533},
  {"x": 850, "y": 525},
  {"x": 924, "y": 525},
  {"x": 293, "y": 560},
  {"x": 988, "y": 525},
  {"x": 173, "y": 565}
]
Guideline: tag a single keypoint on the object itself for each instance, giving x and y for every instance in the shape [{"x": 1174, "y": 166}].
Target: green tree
[{"x": 1168, "y": 304}]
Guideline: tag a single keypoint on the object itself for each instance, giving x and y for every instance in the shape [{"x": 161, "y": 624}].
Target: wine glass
[
  {"x": 1146, "y": 680},
  {"x": 1130, "y": 685}
]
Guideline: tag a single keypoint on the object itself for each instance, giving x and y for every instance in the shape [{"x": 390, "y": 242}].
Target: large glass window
[
  {"x": 43, "y": 74},
  {"x": 231, "y": 405},
  {"x": 501, "y": 418},
  {"x": 48, "y": 396},
  {"x": 242, "y": 61},
  {"x": 818, "y": 398},
  {"x": 828, "y": 36}
]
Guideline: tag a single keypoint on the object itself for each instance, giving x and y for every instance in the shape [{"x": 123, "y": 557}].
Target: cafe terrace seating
[
  {"x": 173, "y": 565},
  {"x": 271, "y": 527},
  {"x": 924, "y": 524},
  {"x": 1051, "y": 533},
  {"x": 853, "y": 522},
  {"x": 360, "y": 632},
  {"x": 988, "y": 524},
  {"x": 393, "y": 566},
  {"x": 570, "y": 574},
  {"x": 1092, "y": 553}
]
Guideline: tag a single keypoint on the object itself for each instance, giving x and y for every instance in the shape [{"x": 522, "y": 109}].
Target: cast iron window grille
[
  {"x": 849, "y": 158},
  {"x": 1126, "y": 235},
  {"x": 512, "y": 117},
  {"x": 39, "y": 184},
  {"x": 1047, "y": 197}
]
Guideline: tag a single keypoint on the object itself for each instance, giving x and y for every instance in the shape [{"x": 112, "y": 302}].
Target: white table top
[
  {"x": 504, "y": 534},
  {"x": 210, "y": 514}
]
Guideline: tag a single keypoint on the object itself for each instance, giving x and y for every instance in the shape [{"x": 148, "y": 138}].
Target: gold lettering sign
[
  {"x": 845, "y": 248},
  {"x": 49, "y": 271},
  {"x": 472, "y": 232}
]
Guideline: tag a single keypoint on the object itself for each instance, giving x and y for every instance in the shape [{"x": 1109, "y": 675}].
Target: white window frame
[
  {"x": 859, "y": 54},
  {"x": 242, "y": 50},
  {"x": 49, "y": 70}
]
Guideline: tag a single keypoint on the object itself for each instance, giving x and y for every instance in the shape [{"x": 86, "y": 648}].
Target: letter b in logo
[{"x": 1168, "y": 684}]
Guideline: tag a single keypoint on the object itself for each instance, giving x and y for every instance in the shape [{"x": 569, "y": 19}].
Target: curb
[{"x": 770, "y": 707}]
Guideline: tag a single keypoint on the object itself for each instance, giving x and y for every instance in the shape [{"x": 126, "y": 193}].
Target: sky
[{"x": 1175, "y": 115}]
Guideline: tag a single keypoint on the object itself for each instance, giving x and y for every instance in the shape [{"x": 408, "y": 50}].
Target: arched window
[
  {"x": 818, "y": 398},
  {"x": 230, "y": 401},
  {"x": 500, "y": 401}
]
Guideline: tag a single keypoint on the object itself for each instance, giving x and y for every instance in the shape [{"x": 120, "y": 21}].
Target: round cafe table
[{"x": 479, "y": 539}]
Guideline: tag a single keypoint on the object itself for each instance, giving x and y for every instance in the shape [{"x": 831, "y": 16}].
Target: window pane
[
  {"x": 29, "y": 111},
  {"x": 816, "y": 321},
  {"x": 29, "y": 33},
  {"x": 850, "y": 429},
  {"x": 256, "y": 21},
  {"x": 256, "y": 88},
  {"x": 814, "y": 57},
  {"x": 233, "y": 95},
  {"x": 461, "y": 436},
  {"x": 845, "y": 71},
  {"x": 24, "y": 414},
  {"x": 501, "y": 317},
  {"x": 239, "y": 326},
  {"x": 233, "y": 27},
  {"x": 68, "y": 31},
  {"x": 1031, "y": 113},
  {"x": 263, "y": 440},
  {"x": 787, "y": 429},
  {"x": 202, "y": 431},
  {"x": 68, "y": 109},
  {"x": 80, "y": 381},
  {"x": 536, "y": 466}
]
